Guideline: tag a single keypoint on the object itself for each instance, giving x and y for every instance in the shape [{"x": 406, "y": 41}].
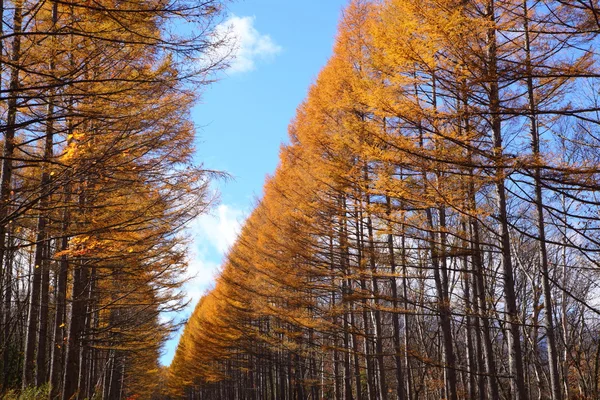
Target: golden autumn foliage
[
  {"x": 97, "y": 181},
  {"x": 430, "y": 231}
]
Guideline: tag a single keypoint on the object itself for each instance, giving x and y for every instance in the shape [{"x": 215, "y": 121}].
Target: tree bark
[{"x": 514, "y": 337}]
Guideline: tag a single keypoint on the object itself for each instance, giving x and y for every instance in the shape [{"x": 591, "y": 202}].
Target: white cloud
[
  {"x": 212, "y": 235},
  {"x": 244, "y": 44},
  {"x": 218, "y": 229}
]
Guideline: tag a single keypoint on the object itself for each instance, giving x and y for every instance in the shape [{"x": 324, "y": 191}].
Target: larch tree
[
  {"x": 97, "y": 182},
  {"x": 431, "y": 229}
]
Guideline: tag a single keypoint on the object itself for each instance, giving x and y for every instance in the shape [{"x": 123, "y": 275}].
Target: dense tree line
[
  {"x": 432, "y": 229},
  {"x": 97, "y": 180}
]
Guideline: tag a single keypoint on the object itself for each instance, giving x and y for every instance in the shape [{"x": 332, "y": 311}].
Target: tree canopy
[{"x": 431, "y": 229}]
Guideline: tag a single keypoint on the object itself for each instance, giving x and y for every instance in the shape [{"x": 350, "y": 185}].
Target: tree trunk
[
  {"x": 75, "y": 332},
  {"x": 395, "y": 303},
  {"x": 514, "y": 337},
  {"x": 539, "y": 204}
]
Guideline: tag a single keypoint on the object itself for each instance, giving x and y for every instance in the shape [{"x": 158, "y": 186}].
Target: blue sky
[{"x": 280, "y": 45}]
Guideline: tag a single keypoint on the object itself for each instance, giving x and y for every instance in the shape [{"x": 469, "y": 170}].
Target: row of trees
[
  {"x": 432, "y": 229},
  {"x": 97, "y": 179}
]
